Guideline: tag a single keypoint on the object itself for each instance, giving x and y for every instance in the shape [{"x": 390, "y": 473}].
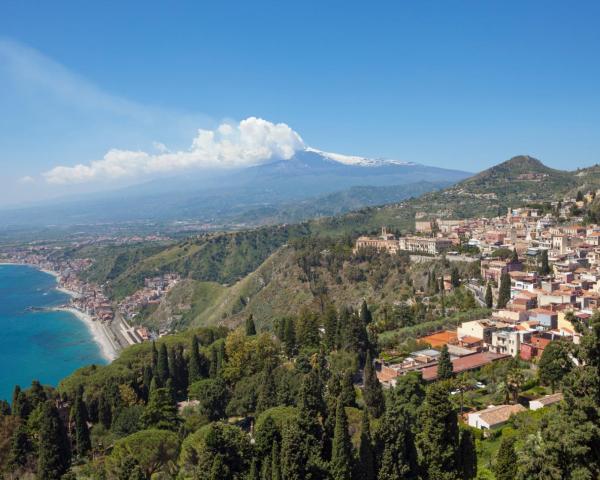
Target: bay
[{"x": 38, "y": 345}]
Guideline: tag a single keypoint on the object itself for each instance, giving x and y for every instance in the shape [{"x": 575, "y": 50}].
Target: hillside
[{"x": 230, "y": 275}]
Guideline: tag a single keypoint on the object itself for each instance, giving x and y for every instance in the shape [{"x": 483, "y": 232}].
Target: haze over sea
[{"x": 42, "y": 345}]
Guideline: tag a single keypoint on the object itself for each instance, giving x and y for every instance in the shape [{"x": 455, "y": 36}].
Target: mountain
[{"x": 226, "y": 197}]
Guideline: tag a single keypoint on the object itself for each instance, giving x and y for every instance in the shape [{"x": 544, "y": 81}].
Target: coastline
[{"x": 99, "y": 332}]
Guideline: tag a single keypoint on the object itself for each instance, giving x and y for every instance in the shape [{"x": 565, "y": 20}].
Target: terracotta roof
[
  {"x": 499, "y": 414},
  {"x": 462, "y": 364},
  {"x": 440, "y": 339},
  {"x": 549, "y": 399}
]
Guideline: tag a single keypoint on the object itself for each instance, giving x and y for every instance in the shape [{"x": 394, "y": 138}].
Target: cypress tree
[
  {"x": 444, "y": 367},
  {"x": 365, "y": 314},
  {"x": 438, "y": 433},
  {"x": 505, "y": 467},
  {"x": 455, "y": 277},
  {"x": 82, "y": 433},
  {"x": 289, "y": 337},
  {"x": 467, "y": 455},
  {"x": 250, "y": 326},
  {"x": 504, "y": 292},
  {"x": 253, "y": 473},
  {"x": 341, "y": 454},
  {"x": 267, "y": 393},
  {"x": 515, "y": 256},
  {"x": 104, "y": 411},
  {"x": 366, "y": 457},
  {"x": 372, "y": 390},
  {"x": 544, "y": 264},
  {"x": 214, "y": 363},
  {"x": 54, "y": 455},
  {"x": 37, "y": 395},
  {"x": 15, "y": 398},
  {"x": 194, "y": 364},
  {"x": 22, "y": 407},
  {"x": 330, "y": 324},
  {"x": 154, "y": 356},
  {"x": 347, "y": 393},
  {"x": 489, "y": 297},
  {"x": 162, "y": 367},
  {"x": 294, "y": 454},
  {"x": 275, "y": 462}
]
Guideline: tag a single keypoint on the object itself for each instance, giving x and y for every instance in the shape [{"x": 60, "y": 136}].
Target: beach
[{"x": 100, "y": 333}]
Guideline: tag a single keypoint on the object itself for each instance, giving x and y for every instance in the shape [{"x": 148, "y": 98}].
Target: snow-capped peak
[{"x": 356, "y": 160}]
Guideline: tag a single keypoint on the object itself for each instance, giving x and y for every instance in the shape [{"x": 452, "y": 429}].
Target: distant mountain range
[{"x": 310, "y": 184}]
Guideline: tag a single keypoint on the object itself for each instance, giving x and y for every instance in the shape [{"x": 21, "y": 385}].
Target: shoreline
[{"x": 98, "y": 330}]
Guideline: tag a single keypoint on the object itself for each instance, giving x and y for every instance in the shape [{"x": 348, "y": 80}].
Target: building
[
  {"x": 386, "y": 241},
  {"x": 493, "y": 416},
  {"x": 428, "y": 245},
  {"x": 545, "y": 401}
]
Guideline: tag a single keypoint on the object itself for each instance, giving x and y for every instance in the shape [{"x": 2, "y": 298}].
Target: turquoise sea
[{"x": 40, "y": 345}]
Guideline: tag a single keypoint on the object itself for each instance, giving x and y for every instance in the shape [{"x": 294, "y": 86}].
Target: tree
[
  {"x": 267, "y": 392},
  {"x": 372, "y": 390},
  {"x": 80, "y": 417},
  {"x": 153, "y": 451},
  {"x": 515, "y": 256},
  {"x": 544, "y": 264},
  {"x": 347, "y": 393},
  {"x": 161, "y": 411},
  {"x": 504, "y": 291},
  {"x": 489, "y": 298},
  {"x": 54, "y": 453},
  {"x": 213, "y": 397},
  {"x": 162, "y": 366},
  {"x": 455, "y": 278},
  {"x": 505, "y": 467},
  {"x": 341, "y": 456},
  {"x": 467, "y": 455},
  {"x": 437, "y": 439},
  {"x": 294, "y": 453},
  {"x": 21, "y": 447},
  {"x": 197, "y": 368},
  {"x": 555, "y": 363},
  {"x": 275, "y": 464},
  {"x": 365, "y": 314},
  {"x": 330, "y": 325},
  {"x": 444, "y": 368},
  {"x": 366, "y": 457},
  {"x": 250, "y": 326}
]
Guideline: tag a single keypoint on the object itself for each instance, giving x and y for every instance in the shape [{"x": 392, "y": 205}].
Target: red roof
[{"x": 468, "y": 362}]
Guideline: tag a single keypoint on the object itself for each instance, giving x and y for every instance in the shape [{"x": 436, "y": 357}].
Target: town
[{"x": 540, "y": 279}]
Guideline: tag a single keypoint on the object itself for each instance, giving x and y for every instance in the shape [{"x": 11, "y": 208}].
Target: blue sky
[{"x": 457, "y": 84}]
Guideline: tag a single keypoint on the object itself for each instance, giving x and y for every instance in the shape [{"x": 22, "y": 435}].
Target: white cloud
[
  {"x": 26, "y": 179},
  {"x": 251, "y": 142}
]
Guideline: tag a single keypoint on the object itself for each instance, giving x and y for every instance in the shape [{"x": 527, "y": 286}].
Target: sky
[{"x": 94, "y": 95}]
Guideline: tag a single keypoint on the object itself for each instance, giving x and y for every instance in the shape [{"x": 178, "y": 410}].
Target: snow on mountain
[{"x": 356, "y": 160}]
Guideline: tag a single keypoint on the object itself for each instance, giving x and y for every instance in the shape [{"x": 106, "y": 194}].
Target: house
[
  {"x": 545, "y": 401},
  {"x": 481, "y": 329},
  {"x": 464, "y": 363},
  {"x": 493, "y": 416}
]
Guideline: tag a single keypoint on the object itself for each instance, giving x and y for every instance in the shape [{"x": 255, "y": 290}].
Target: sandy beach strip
[{"x": 99, "y": 332}]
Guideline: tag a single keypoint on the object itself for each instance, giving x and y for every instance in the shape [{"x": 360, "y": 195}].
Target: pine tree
[
  {"x": 20, "y": 446},
  {"x": 489, "y": 298},
  {"x": 82, "y": 433},
  {"x": 161, "y": 411},
  {"x": 467, "y": 455},
  {"x": 438, "y": 433},
  {"x": 54, "y": 455},
  {"x": 365, "y": 314},
  {"x": 504, "y": 291},
  {"x": 372, "y": 390},
  {"x": 250, "y": 326},
  {"x": 444, "y": 367},
  {"x": 505, "y": 467},
  {"x": 366, "y": 457},
  {"x": 162, "y": 366},
  {"x": 341, "y": 456}
]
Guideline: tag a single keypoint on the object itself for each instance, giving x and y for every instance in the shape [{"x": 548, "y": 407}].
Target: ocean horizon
[{"x": 39, "y": 345}]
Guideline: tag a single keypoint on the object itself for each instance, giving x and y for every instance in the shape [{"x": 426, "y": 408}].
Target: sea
[{"x": 38, "y": 344}]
